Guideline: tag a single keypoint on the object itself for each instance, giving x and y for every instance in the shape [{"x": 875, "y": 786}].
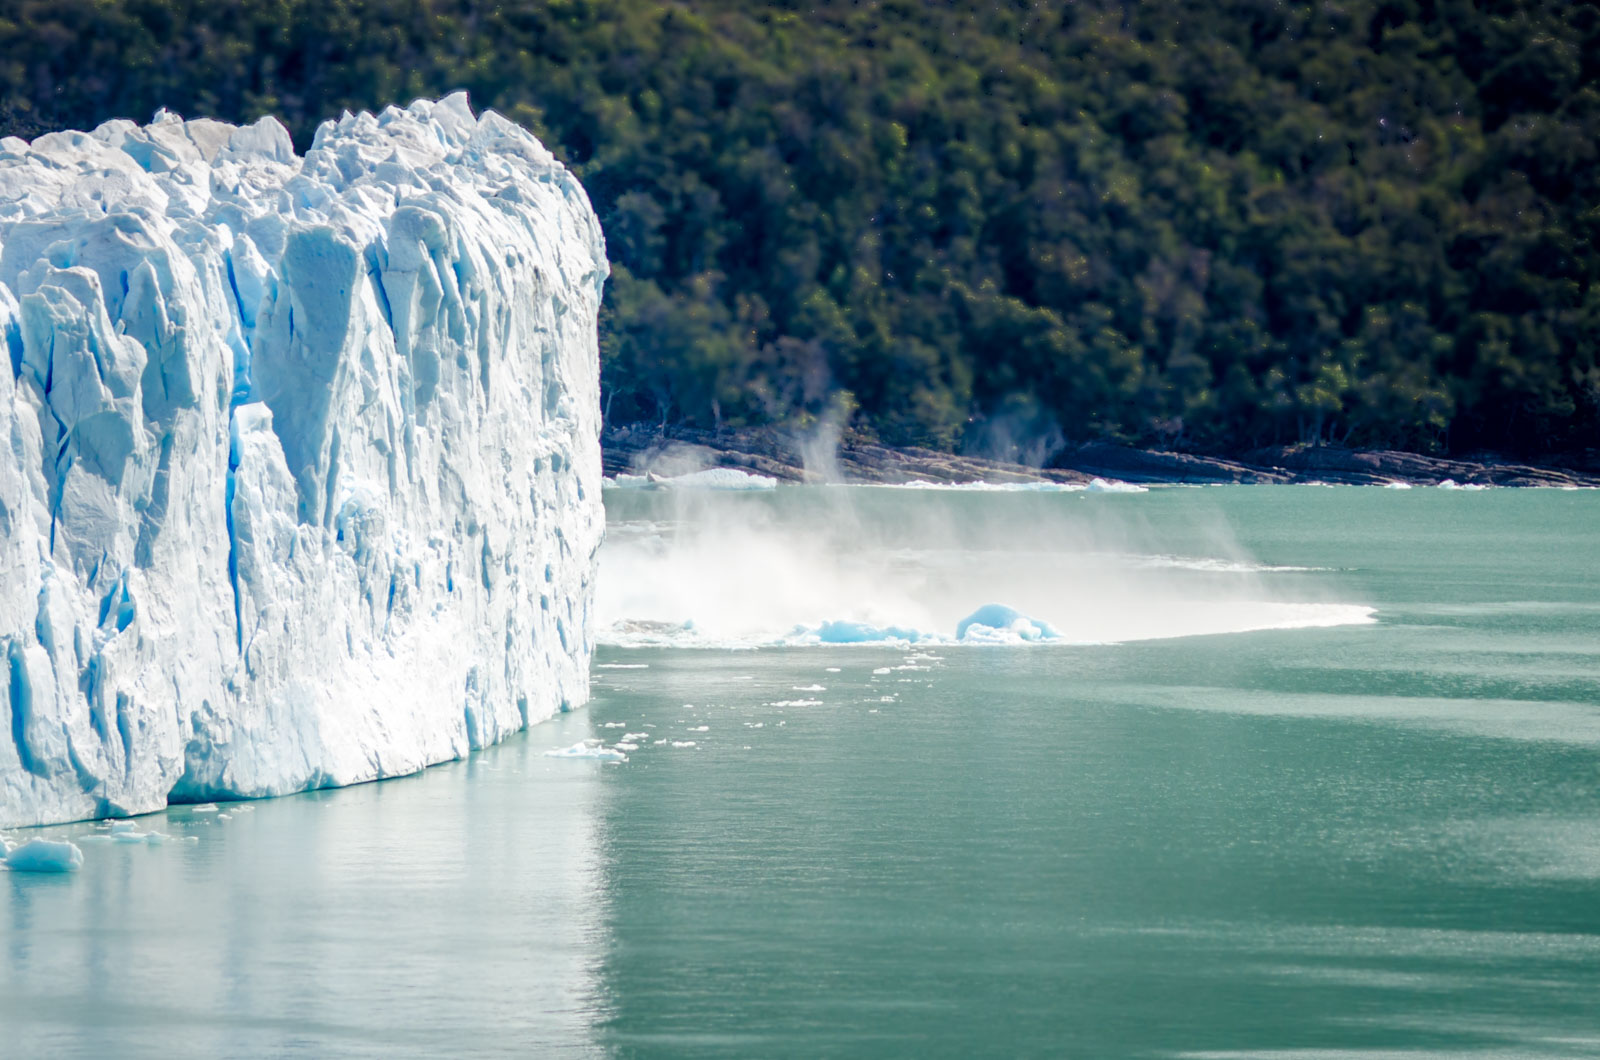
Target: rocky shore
[{"x": 850, "y": 457}]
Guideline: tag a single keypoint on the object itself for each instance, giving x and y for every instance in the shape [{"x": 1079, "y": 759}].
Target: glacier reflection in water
[{"x": 453, "y": 913}]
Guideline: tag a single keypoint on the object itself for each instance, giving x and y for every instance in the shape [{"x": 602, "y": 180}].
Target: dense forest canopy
[{"x": 1212, "y": 226}]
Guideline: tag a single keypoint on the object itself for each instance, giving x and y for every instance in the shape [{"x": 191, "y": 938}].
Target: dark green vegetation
[{"x": 1182, "y": 223}]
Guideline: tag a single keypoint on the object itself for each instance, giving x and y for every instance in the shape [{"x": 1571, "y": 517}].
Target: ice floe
[{"x": 45, "y": 855}]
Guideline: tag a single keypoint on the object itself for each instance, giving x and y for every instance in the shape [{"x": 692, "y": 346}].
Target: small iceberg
[
  {"x": 591, "y": 749},
  {"x": 45, "y": 855},
  {"x": 1396, "y": 484},
  {"x": 1101, "y": 485},
  {"x": 999, "y": 624},
  {"x": 845, "y": 632}
]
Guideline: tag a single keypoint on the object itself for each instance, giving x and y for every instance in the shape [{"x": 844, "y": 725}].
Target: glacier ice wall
[{"x": 301, "y": 480}]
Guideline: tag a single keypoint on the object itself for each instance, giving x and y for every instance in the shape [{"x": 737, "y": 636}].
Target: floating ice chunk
[
  {"x": 846, "y": 632},
  {"x": 881, "y": 670},
  {"x": 1449, "y": 484},
  {"x": 833, "y": 669},
  {"x": 614, "y": 725},
  {"x": 45, "y": 855},
  {"x": 635, "y": 736},
  {"x": 1101, "y": 485},
  {"x": 700, "y": 728},
  {"x": 683, "y": 743},
  {"x": 622, "y": 666},
  {"x": 808, "y": 688},
  {"x": 207, "y": 807},
  {"x": 589, "y": 749},
  {"x": 1397, "y": 485},
  {"x": 796, "y": 703},
  {"x": 999, "y": 624}
]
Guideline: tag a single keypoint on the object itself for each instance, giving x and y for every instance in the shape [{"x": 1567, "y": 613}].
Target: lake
[{"x": 1295, "y": 772}]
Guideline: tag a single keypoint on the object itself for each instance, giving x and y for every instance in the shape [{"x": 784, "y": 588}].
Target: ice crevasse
[{"x": 301, "y": 477}]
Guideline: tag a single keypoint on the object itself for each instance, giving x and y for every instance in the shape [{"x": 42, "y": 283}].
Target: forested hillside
[{"x": 1201, "y": 225}]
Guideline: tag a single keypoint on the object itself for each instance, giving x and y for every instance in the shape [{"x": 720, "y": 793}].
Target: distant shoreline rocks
[{"x": 779, "y": 455}]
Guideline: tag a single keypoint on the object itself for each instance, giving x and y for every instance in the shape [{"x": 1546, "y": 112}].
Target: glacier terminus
[{"x": 301, "y": 480}]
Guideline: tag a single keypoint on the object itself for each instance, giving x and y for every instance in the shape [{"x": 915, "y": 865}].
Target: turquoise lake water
[{"x": 1375, "y": 834}]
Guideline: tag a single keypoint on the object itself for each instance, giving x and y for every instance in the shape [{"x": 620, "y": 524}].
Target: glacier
[{"x": 301, "y": 472}]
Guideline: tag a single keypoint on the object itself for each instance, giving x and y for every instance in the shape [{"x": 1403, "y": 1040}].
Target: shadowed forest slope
[{"x": 989, "y": 225}]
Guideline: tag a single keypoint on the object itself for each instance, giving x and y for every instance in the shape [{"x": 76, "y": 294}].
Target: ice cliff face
[{"x": 301, "y": 477}]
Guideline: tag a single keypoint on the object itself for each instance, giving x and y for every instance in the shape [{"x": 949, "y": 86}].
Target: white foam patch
[
  {"x": 713, "y": 478},
  {"x": 1101, "y": 485},
  {"x": 813, "y": 566},
  {"x": 983, "y": 487}
]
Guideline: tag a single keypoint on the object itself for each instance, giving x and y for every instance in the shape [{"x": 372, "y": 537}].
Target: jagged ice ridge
[{"x": 301, "y": 480}]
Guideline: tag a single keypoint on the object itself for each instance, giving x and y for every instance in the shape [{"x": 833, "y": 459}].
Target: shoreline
[{"x": 853, "y": 458}]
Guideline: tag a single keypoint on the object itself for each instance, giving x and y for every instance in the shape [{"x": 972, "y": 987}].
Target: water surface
[{"x": 1356, "y": 840}]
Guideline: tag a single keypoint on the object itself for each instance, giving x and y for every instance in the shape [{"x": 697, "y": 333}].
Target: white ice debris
[
  {"x": 301, "y": 472},
  {"x": 588, "y": 749},
  {"x": 44, "y": 855}
]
